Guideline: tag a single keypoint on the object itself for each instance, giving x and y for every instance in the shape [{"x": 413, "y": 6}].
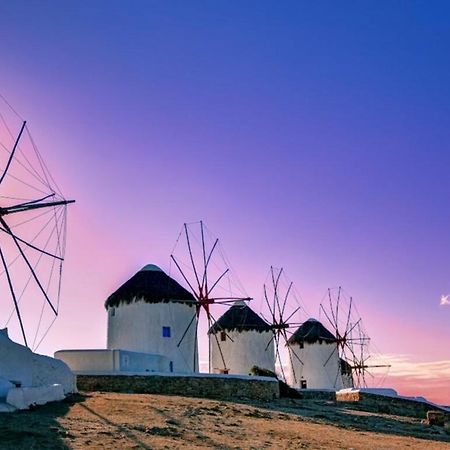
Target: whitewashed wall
[
  {"x": 87, "y": 360},
  {"x": 112, "y": 361},
  {"x": 137, "y": 327},
  {"x": 318, "y": 373},
  {"x": 247, "y": 349}
]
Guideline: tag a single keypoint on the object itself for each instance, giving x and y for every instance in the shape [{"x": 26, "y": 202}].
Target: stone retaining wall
[
  {"x": 388, "y": 405},
  {"x": 207, "y": 386},
  {"x": 316, "y": 394}
]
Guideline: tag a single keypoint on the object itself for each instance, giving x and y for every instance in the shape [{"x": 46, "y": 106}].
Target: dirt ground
[{"x": 138, "y": 421}]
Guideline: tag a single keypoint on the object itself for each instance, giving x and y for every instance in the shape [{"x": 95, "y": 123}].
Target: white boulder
[
  {"x": 5, "y": 386},
  {"x": 23, "y": 398},
  {"x": 5, "y": 408},
  {"x": 20, "y": 366},
  {"x": 47, "y": 370}
]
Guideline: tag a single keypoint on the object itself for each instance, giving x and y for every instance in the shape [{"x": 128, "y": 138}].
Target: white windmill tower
[
  {"x": 243, "y": 339},
  {"x": 318, "y": 361},
  {"x": 150, "y": 314}
]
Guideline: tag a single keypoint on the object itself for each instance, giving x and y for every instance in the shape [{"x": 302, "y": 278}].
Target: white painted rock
[
  {"x": 23, "y": 398},
  {"x": 47, "y": 370},
  {"x": 24, "y": 368},
  {"x": 5, "y": 408},
  {"x": 5, "y": 386}
]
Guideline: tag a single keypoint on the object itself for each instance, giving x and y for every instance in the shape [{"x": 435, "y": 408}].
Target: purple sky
[{"x": 309, "y": 136}]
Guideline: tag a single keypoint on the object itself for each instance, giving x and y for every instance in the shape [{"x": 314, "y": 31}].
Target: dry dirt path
[{"x": 134, "y": 421}]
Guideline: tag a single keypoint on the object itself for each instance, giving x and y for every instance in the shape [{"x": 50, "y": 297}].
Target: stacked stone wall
[
  {"x": 205, "y": 386},
  {"x": 316, "y": 394},
  {"x": 387, "y": 405}
]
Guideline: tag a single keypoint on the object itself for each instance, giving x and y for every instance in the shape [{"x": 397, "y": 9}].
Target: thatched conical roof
[
  {"x": 150, "y": 285},
  {"x": 240, "y": 317},
  {"x": 311, "y": 331}
]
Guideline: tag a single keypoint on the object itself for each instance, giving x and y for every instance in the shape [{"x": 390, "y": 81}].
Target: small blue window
[
  {"x": 171, "y": 366},
  {"x": 166, "y": 331}
]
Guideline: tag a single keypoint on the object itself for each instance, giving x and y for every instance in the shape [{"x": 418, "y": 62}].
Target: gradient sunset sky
[{"x": 309, "y": 135}]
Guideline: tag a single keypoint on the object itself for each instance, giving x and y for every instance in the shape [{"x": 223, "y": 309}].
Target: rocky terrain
[{"x": 143, "y": 421}]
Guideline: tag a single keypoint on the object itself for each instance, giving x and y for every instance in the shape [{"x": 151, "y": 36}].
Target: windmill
[
  {"x": 281, "y": 308},
  {"x": 33, "y": 215},
  {"x": 201, "y": 262},
  {"x": 352, "y": 340}
]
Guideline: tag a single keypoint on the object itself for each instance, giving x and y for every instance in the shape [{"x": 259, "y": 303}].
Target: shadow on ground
[
  {"x": 37, "y": 428},
  {"x": 356, "y": 418}
]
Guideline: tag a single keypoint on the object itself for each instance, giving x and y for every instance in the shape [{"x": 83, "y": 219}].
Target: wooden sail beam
[{"x": 31, "y": 206}]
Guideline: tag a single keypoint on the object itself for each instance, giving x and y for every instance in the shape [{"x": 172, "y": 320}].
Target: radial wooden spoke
[
  {"x": 32, "y": 240},
  {"x": 286, "y": 297},
  {"x": 353, "y": 327},
  {"x": 286, "y": 338},
  {"x": 274, "y": 290},
  {"x": 292, "y": 315},
  {"x": 270, "y": 341},
  {"x": 211, "y": 252},
  {"x": 358, "y": 339},
  {"x": 268, "y": 304},
  {"x": 191, "y": 256},
  {"x": 337, "y": 305},
  {"x": 10, "y": 233},
  {"x": 349, "y": 314},
  {"x": 290, "y": 351},
  {"x": 217, "y": 281},
  {"x": 13, "y": 295},
  {"x": 277, "y": 346},
  {"x": 31, "y": 170},
  {"x": 334, "y": 323},
  {"x": 229, "y": 299},
  {"x": 30, "y": 207},
  {"x": 31, "y": 202},
  {"x": 11, "y": 156},
  {"x": 329, "y": 357},
  {"x": 329, "y": 320},
  {"x": 339, "y": 373},
  {"x": 218, "y": 343},
  {"x": 36, "y": 279},
  {"x": 276, "y": 301},
  {"x": 194, "y": 292},
  {"x": 205, "y": 272},
  {"x": 187, "y": 329}
]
